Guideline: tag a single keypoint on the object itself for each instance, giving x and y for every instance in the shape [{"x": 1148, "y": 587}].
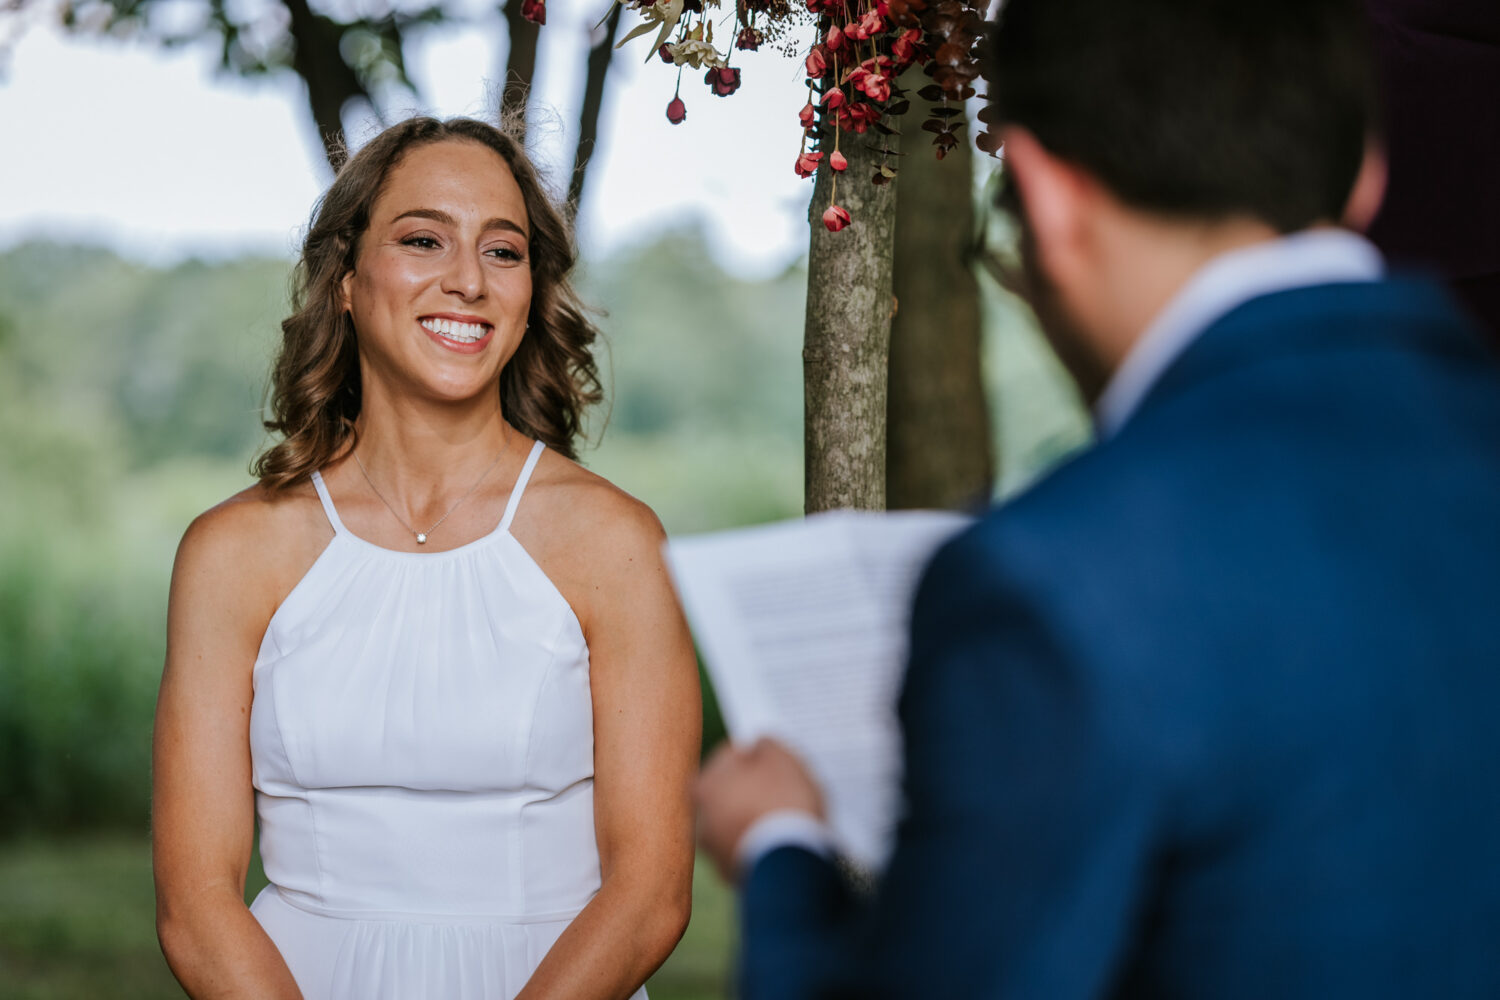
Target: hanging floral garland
[{"x": 859, "y": 48}]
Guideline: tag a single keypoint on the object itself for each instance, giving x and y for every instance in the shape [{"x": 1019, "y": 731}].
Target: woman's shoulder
[
  {"x": 583, "y": 504},
  {"x": 601, "y": 546},
  {"x": 266, "y": 538},
  {"x": 254, "y": 517}
]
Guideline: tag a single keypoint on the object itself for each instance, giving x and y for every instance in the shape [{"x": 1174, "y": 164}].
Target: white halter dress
[{"x": 422, "y": 746}]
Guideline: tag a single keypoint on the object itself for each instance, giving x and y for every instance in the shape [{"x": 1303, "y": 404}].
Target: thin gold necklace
[{"x": 422, "y": 535}]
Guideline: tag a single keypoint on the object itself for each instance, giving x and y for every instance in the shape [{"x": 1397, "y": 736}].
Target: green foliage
[
  {"x": 76, "y": 920},
  {"x": 78, "y": 666},
  {"x": 171, "y": 362},
  {"x": 693, "y": 348}
]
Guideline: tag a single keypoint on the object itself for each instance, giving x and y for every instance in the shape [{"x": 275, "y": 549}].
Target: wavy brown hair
[{"x": 315, "y": 384}]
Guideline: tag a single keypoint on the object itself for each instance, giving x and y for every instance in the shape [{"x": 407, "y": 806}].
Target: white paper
[{"x": 803, "y": 629}]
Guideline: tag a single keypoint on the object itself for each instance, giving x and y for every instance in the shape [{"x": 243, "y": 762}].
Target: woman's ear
[{"x": 345, "y": 298}]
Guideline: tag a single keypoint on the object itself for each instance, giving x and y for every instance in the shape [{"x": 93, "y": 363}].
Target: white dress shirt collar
[{"x": 1310, "y": 257}]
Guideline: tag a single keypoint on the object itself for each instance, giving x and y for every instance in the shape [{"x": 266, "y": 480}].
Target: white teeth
[{"x": 466, "y": 333}]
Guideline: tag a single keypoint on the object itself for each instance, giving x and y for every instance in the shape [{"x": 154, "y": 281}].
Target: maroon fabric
[{"x": 1439, "y": 70}]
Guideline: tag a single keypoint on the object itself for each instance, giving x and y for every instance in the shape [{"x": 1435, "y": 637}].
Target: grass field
[{"x": 76, "y": 924}]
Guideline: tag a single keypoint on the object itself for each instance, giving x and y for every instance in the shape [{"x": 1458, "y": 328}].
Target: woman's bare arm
[
  {"x": 647, "y": 728},
  {"x": 203, "y": 807}
]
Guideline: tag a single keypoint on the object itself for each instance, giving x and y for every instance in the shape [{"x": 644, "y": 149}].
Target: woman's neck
[{"x": 417, "y": 448}]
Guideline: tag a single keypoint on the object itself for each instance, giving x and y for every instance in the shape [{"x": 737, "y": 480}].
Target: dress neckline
[{"x": 503, "y": 528}]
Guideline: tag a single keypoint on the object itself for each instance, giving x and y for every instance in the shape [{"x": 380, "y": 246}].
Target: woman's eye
[
  {"x": 422, "y": 242},
  {"x": 505, "y": 253}
]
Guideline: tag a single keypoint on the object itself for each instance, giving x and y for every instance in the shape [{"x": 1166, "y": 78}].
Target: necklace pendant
[{"x": 421, "y": 538}]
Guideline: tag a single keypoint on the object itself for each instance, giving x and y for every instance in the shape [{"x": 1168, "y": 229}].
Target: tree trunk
[
  {"x": 847, "y": 336},
  {"x": 520, "y": 67},
  {"x": 938, "y": 447},
  {"x": 593, "y": 101},
  {"x": 331, "y": 84}
]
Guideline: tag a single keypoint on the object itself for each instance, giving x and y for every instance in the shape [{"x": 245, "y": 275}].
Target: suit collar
[
  {"x": 1311, "y": 257},
  {"x": 1407, "y": 314}
]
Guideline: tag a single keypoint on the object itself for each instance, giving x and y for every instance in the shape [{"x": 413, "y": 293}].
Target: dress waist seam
[{"x": 407, "y": 917}]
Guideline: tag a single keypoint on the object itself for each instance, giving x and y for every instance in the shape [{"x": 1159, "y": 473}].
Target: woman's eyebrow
[{"x": 438, "y": 215}]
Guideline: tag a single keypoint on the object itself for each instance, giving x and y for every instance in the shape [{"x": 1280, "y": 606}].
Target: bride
[{"x": 438, "y": 662}]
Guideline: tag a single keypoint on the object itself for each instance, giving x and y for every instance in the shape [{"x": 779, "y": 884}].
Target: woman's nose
[{"x": 464, "y": 275}]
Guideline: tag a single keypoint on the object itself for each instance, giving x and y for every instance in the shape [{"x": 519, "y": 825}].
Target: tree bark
[
  {"x": 331, "y": 84},
  {"x": 593, "y": 102},
  {"x": 938, "y": 447},
  {"x": 847, "y": 335},
  {"x": 520, "y": 67}
]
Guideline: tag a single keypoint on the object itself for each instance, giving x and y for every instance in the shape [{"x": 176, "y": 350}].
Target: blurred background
[{"x": 162, "y": 159}]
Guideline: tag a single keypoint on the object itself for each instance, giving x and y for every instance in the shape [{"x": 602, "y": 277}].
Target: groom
[{"x": 1213, "y": 710}]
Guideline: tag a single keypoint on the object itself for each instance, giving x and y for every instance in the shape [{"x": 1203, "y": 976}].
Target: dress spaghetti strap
[
  {"x": 333, "y": 515},
  {"x": 520, "y": 487}
]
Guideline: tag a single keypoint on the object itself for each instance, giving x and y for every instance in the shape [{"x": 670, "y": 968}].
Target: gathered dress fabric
[{"x": 421, "y": 738}]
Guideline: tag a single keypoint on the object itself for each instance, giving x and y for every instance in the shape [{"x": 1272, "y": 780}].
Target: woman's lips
[{"x": 456, "y": 335}]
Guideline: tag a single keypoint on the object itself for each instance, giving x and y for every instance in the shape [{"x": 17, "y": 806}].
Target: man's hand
[{"x": 738, "y": 787}]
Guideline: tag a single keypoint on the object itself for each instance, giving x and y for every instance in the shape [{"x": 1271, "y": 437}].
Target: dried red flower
[
  {"x": 833, "y": 98},
  {"x": 837, "y": 161},
  {"x": 749, "y": 39},
  {"x": 665, "y": 52},
  {"x": 724, "y": 81},
  {"x": 807, "y": 164},
  {"x": 835, "y": 39},
  {"x": 866, "y": 27},
  {"x": 534, "y": 11},
  {"x": 817, "y": 63},
  {"x": 806, "y": 115},
  {"x": 907, "y": 46},
  {"x": 869, "y": 78},
  {"x": 676, "y": 111},
  {"x": 858, "y": 116},
  {"x": 877, "y": 87},
  {"x": 835, "y": 218}
]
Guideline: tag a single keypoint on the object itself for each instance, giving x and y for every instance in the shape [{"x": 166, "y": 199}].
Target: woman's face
[{"x": 441, "y": 287}]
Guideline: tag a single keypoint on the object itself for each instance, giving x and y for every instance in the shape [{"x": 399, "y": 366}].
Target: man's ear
[
  {"x": 1054, "y": 197},
  {"x": 1369, "y": 189}
]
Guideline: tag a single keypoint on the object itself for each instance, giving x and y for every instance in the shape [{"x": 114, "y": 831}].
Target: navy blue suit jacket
[{"x": 1213, "y": 710}]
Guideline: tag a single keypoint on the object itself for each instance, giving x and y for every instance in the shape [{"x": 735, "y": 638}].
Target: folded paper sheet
[{"x": 803, "y": 628}]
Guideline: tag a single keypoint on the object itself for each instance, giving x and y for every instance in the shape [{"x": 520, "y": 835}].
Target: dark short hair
[{"x": 1194, "y": 108}]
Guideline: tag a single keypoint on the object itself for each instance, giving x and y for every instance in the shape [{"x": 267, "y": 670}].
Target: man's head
[{"x": 1197, "y": 125}]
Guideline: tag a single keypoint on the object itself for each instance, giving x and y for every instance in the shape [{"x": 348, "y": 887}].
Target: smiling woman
[
  {"x": 465, "y": 724},
  {"x": 316, "y": 387}
]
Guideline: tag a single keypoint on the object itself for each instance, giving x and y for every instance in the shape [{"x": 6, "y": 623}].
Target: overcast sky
[{"x": 161, "y": 157}]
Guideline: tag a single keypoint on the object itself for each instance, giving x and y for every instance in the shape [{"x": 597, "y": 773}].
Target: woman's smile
[{"x": 464, "y": 335}]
